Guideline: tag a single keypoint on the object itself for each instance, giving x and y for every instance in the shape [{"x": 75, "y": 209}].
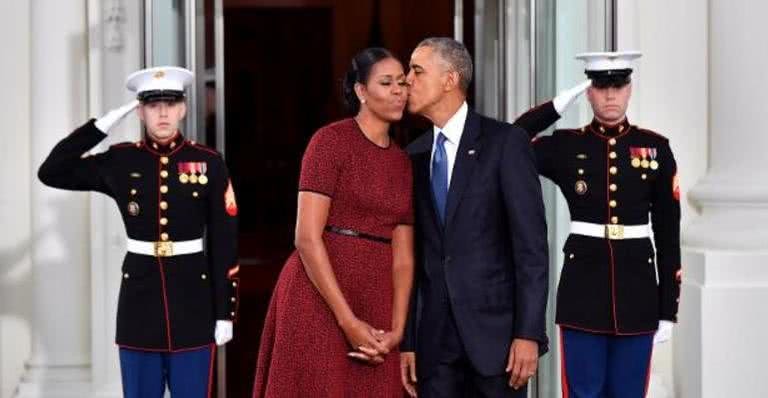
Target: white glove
[
  {"x": 111, "y": 118},
  {"x": 566, "y": 97},
  {"x": 664, "y": 332},
  {"x": 223, "y": 332}
]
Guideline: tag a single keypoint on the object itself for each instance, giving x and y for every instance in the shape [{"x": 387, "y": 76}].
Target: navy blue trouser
[
  {"x": 604, "y": 366},
  {"x": 455, "y": 377},
  {"x": 187, "y": 374}
]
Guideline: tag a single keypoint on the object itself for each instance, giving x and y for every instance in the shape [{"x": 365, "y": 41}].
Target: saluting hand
[{"x": 111, "y": 118}]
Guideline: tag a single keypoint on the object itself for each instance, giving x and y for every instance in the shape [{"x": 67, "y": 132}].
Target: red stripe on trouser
[
  {"x": 563, "y": 374},
  {"x": 210, "y": 370},
  {"x": 648, "y": 372}
]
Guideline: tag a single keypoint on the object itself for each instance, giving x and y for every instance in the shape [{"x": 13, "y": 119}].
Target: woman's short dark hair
[{"x": 362, "y": 63}]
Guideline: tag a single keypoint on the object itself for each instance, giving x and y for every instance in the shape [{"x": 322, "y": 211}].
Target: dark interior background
[{"x": 284, "y": 60}]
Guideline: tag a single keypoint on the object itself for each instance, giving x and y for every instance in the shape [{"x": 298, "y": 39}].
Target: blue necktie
[{"x": 440, "y": 176}]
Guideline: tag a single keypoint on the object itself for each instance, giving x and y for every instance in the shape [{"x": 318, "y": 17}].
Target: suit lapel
[{"x": 466, "y": 160}]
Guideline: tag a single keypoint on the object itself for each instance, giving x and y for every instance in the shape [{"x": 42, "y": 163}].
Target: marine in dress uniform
[
  {"x": 176, "y": 299},
  {"x": 609, "y": 300}
]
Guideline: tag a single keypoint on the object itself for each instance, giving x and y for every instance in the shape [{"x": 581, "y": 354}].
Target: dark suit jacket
[{"x": 488, "y": 264}]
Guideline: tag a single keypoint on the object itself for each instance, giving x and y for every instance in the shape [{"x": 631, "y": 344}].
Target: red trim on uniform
[
  {"x": 580, "y": 131},
  {"x": 563, "y": 373},
  {"x": 608, "y": 241},
  {"x": 210, "y": 370},
  {"x": 160, "y": 262},
  {"x": 613, "y": 287},
  {"x": 605, "y": 137},
  {"x": 653, "y": 133},
  {"x": 204, "y": 148},
  {"x": 148, "y": 148},
  {"x": 648, "y": 373},
  {"x": 165, "y": 303},
  {"x": 610, "y": 332},
  {"x": 124, "y": 145},
  {"x": 128, "y": 347}
]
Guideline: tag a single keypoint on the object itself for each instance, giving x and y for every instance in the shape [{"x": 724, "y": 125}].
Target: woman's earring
[{"x": 362, "y": 101}]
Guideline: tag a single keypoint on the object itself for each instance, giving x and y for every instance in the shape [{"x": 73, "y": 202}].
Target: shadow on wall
[
  {"x": 15, "y": 312},
  {"x": 17, "y": 288}
]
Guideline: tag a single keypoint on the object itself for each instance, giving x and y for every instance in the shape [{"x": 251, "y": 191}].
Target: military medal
[
  {"x": 581, "y": 187},
  {"x": 183, "y": 169},
  {"x": 654, "y": 164},
  {"x": 133, "y": 208},
  {"x": 203, "y": 179},
  {"x": 635, "y": 154},
  {"x": 193, "y": 178}
]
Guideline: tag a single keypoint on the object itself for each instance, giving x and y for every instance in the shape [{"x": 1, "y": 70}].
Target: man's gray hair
[{"x": 455, "y": 54}]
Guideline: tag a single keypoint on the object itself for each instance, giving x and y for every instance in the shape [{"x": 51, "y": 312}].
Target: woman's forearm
[{"x": 320, "y": 272}]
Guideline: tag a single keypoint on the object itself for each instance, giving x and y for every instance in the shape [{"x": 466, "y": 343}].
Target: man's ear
[
  {"x": 183, "y": 110},
  {"x": 452, "y": 79},
  {"x": 140, "y": 112},
  {"x": 590, "y": 94}
]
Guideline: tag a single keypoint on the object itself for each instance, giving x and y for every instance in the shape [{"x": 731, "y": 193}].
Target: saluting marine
[
  {"x": 175, "y": 299},
  {"x": 614, "y": 175}
]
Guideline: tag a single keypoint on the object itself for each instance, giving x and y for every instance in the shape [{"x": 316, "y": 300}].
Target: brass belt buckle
[
  {"x": 613, "y": 231},
  {"x": 163, "y": 249}
]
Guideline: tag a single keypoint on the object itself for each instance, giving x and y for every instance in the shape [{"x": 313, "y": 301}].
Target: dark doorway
[{"x": 283, "y": 65}]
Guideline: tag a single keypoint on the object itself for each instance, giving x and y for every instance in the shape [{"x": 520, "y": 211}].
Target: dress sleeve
[{"x": 321, "y": 165}]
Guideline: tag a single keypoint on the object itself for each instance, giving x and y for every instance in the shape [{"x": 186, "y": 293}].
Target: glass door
[
  {"x": 524, "y": 55},
  {"x": 190, "y": 34}
]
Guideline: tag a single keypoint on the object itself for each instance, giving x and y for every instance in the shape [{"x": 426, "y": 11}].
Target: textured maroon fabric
[{"x": 303, "y": 351}]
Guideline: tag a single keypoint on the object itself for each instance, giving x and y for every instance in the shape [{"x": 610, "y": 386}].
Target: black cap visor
[
  {"x": 160, "y": 95},
  {"x": 616, "y": 78}
]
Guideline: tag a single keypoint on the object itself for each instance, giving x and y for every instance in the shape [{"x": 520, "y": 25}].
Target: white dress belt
[
  {"x": 164, "y": 248},
  {"x": 610, "y": 231}
]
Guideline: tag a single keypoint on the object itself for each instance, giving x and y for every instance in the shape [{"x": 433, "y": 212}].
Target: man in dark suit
[{"x": 481, "y": 236}]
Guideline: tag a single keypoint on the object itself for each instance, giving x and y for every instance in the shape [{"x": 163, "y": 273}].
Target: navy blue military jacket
[
  {"x": 616, "y": 176},
  {"x": 177, "y": 192}
]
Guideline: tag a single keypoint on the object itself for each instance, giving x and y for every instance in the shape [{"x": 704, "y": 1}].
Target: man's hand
[
  {"x": 111, "y": 118},
  {"x": 408, "y": 372},
  {"x": 223, "y": 332},
  {"x": 565, "y": 98},
  {"x": 523, "y": 361}
]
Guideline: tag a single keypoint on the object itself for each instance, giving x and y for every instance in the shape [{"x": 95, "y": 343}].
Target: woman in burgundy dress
[{"x": 339, "y": 307}]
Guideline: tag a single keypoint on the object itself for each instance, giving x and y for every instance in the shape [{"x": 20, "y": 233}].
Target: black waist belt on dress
[{"x": 355, "y": 234}]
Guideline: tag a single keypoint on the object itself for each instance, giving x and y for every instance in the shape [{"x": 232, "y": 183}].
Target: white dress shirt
[{"x": 452, "y": 131}]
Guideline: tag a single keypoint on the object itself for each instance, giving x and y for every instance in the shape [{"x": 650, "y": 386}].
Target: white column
[
  {"x": 669, "y": 96},
  {"x": 721, "y": 346},
  {"x": 60, "y": 362}
]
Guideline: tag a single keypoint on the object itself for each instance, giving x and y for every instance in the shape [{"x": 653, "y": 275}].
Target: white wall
[
  {"x": 670, "y": 96},
  {"x": 14, "y": 194}
]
